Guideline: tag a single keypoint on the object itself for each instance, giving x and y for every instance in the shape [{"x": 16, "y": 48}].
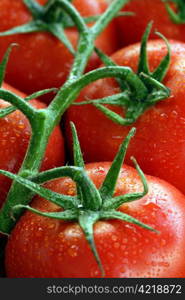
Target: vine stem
[{"x": 43, "y": 127}]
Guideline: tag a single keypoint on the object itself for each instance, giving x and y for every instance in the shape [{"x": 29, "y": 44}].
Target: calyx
[
  {"x": 138, "y": 91},
  {"x": 51, "y": 18},
  {"x": 90, "y": 204}
]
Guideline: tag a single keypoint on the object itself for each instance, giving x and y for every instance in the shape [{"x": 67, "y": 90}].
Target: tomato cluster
[{"x": 128, "y": 238}]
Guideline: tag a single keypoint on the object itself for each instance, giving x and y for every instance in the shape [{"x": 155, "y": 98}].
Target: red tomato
[
  {"x": 44, "y": 247},
  {"x": 41, "y": 61},
  {"x": 15, "y": 133},
  {"x": 131, "y": 28},
  {"x": 160, "y": 140}
]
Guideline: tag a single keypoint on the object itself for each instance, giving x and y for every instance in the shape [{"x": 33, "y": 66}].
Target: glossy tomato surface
[
  {"x": 43, "y": 247},
  {"x": 131, "y": 28},
  {"x": 41, "y": 61},
  {"x": 159, "y": 143},
  {"x": 15, "y": 134}
]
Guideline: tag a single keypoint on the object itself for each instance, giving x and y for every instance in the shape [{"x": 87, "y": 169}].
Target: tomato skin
[
  {"x": 159, "y": 141},
  {"x": 43, "y": 247},
  {"x": 41, "y": 61},
  {"x": 15, "y": 133},
  {"x": 144, "y": 12}
]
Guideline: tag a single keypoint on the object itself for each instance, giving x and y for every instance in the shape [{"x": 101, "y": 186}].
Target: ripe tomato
[
  {"x": 14, "y": 137},
  {"x": 131, "y": 28},
  {"x": 159, "y": 142},
  {"x": 44, "y": 247},
  {"x": 41, "y": 61}
]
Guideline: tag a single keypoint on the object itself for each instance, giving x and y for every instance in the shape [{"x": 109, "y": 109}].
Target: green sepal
[
  {"x": 116, "y": 202},
  {"x": 158, "y": 91},
  {"x": 41, "y": 93},
  {"x": 4, "y": 62},
  {"x": 110, "y": 63},
  {"x": 114, "y": 116},
  {"x": 116, "y": 99},
  {"x": 33, "y": 26},
  {"x": 62, "y": 200},
  {"x": 160, "y": 72},
  {"x": 91, "y": 195},
  {"x": 179, "y": 16},
  {"x": 86, "y": 221},
  {"x": 57, "y": 30},
  {"x": 35, "y": 8},
  {"x": 67, "y": 215},
  {"x": 109, "y": 184},
  {"x": 143, "y": 58},
  {"x": 124, "y": 217},
  {"x": 78, "y": 157}
]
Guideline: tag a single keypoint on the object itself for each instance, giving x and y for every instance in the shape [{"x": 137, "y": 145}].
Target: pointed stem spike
[
  {"x": 4, "y": 62},
  {"x": 143, "y": 58},
  {"x": 109, "y": 62},
  {"x": 57, "y": 30},
  {"x": 58, "y": 199},
  {"x": 142, "y": 177},
  {"x": 154, "y": 85},
  {"x": 86, "y": 221},
  {"x": 49, "y": 4},
  {"x": 91, "y": 195},
  {"x": 78, "y": 157},
  {"x": 34, "y": 7},
  {"x": 33, "y": 26},
  {"x": 114, "y": 116},
  {"x": 124, "y": 217},
  {"x": 116, "y": 202},
  {"x": 162, "y": 69},
  {"x": 67, "y": 215},
  {"x": 116, "y": 99},
  {"x": 108, "y": 186},
  {"x": 41, "y": 93}
]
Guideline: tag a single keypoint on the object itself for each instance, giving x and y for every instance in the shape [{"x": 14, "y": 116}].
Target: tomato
[
  {"x": 131, "y": 28},
  {"x": 41, "y": 61},
  {"x": 43, "y": 247},
  {"x": 159, "y": 142},
  {"x": 15, "y": 133}
]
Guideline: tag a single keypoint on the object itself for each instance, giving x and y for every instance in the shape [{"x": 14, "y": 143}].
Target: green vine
[
  {"x": 89, "y": 204},
  {"x": 43, "y": 121}
]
